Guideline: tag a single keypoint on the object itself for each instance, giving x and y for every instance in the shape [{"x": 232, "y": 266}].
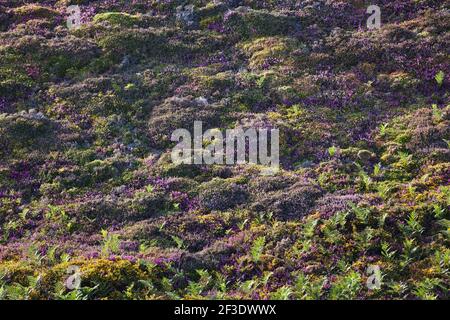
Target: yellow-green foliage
[
  {"x": 125, "y": 42},
  {"x": 117, "y": 18},
  {"x": 261, "y": 49},
  {"x": 217, "y": 81},
  {"x": 247, "y": 23},
  {"x": 34, "y": 11},
  {"x": 399, "y": 80},
  {"x": 87, "y": 115}
]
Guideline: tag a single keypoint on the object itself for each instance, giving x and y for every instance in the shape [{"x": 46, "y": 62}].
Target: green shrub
[{"x": 117, "y": 18}]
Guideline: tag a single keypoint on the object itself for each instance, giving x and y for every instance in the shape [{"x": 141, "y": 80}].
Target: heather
[{"x": 86, "y": 177}]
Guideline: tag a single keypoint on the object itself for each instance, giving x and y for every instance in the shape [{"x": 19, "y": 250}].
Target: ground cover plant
[{"x": 87, "y": 187}]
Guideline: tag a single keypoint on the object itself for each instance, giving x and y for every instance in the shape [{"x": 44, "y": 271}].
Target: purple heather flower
[
  {"x": 129, "y": 258},
  {"x": 3, "y": 105},
  {"x": 33, "y": 71}
]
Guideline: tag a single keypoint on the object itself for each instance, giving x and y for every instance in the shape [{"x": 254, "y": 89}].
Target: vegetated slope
[{"x": 86, "y": 178}]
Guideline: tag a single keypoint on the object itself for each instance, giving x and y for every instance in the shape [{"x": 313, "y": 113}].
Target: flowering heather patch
[{"x": 87, "y": 181}]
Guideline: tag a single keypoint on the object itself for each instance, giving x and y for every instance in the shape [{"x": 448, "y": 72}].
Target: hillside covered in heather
[{"x": 86, "y": 177}]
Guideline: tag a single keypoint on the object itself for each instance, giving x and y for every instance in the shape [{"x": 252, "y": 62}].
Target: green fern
[
  {"x": 111, "y": 243},
  {"x": 282, "y": 293},
  {"x": 257, "y": 248},
  {"x": 332, "y": 151},
  {"x": 178, "y": 241}
]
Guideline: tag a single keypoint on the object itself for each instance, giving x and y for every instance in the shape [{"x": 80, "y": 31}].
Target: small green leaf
[
  {"x": 332, "y": 151},
  {"x": 447, "y": 142},
  {"x": 179, "y": 242},
  {"x": 440, "y": 76}
]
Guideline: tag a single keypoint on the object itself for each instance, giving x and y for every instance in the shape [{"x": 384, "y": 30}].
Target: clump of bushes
[
  {"x": 24, "y": 130},
  {"x": 221, "y": 194},
  {"x": 267, "y": 51},
  {"x": 180, "y": 112},
  {"x": 244, "y": 22},
  {"x": 34, "y": 11}
]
